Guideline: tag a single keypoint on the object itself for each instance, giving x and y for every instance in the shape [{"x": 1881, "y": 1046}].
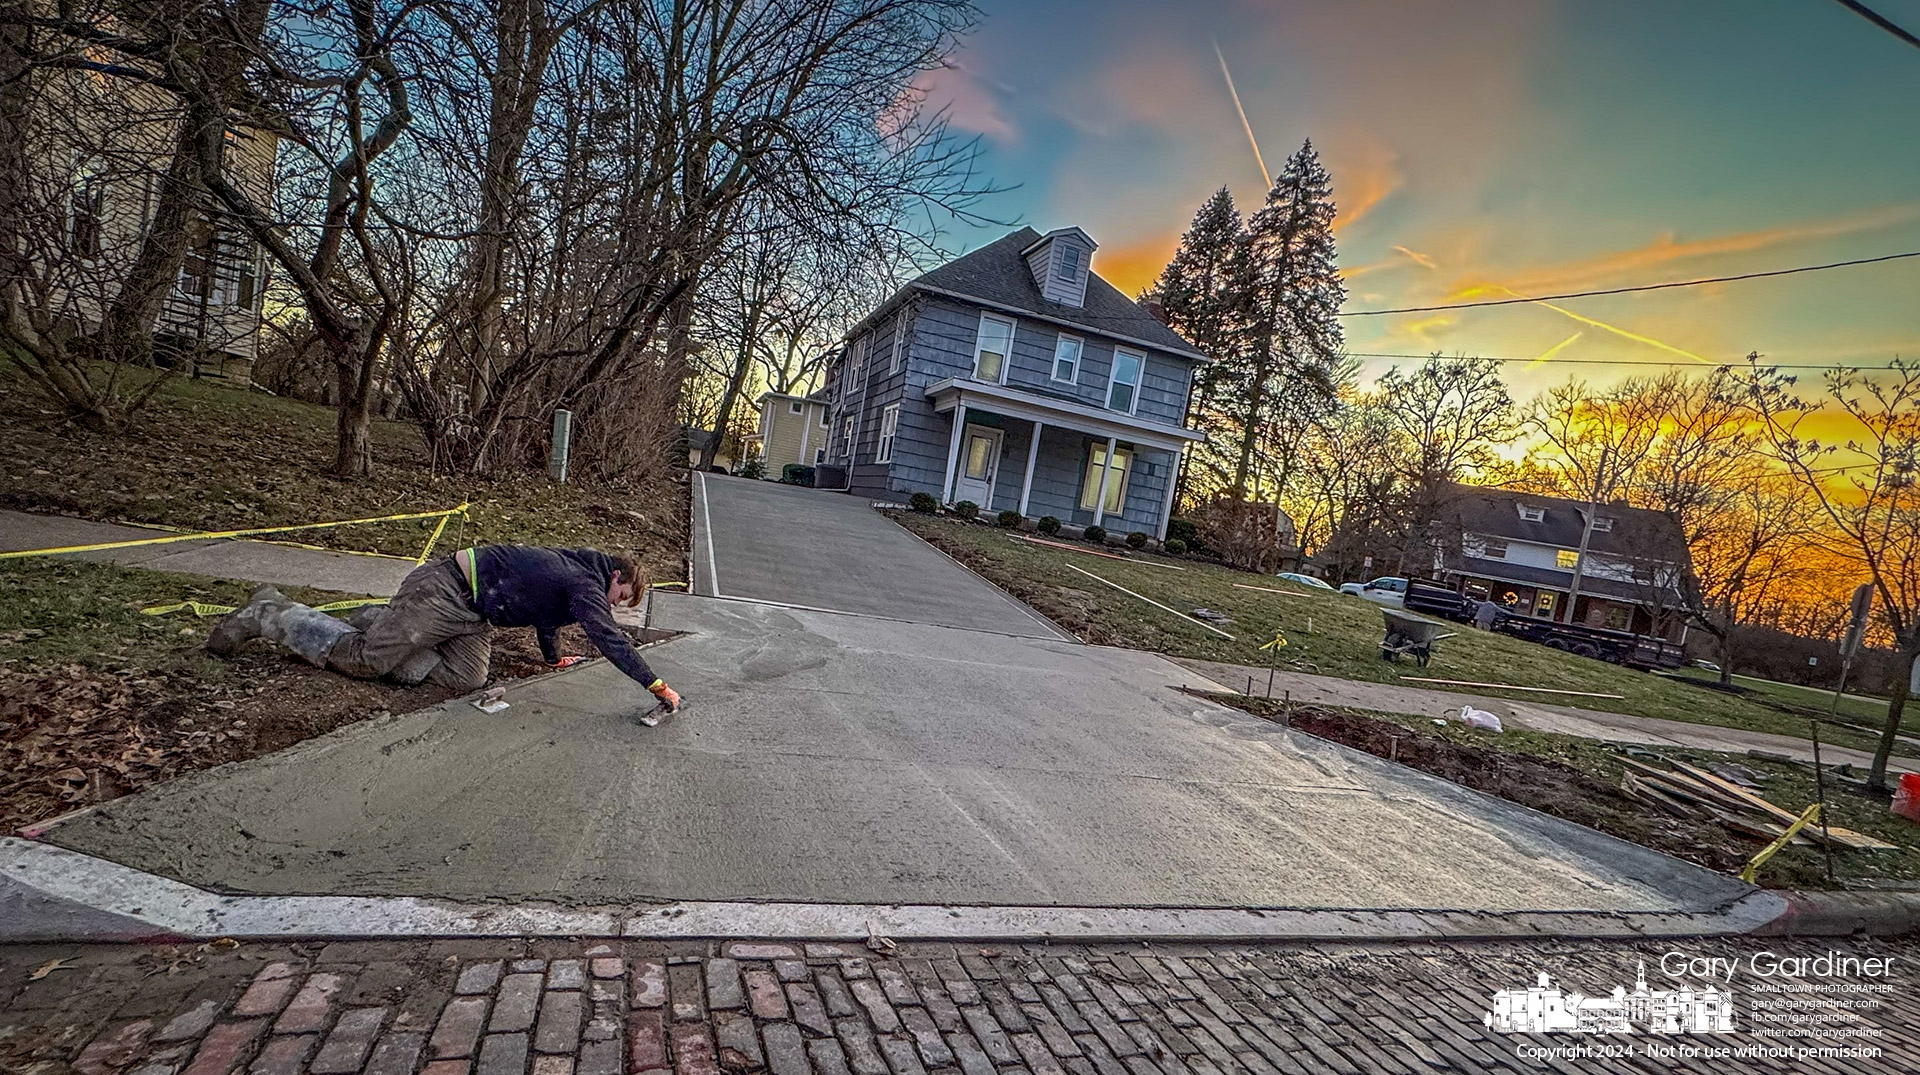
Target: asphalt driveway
[{"x": 764, "y": 541}]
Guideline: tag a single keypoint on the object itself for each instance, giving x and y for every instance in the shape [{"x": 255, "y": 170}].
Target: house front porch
[{"x": 1019, "y": 451}]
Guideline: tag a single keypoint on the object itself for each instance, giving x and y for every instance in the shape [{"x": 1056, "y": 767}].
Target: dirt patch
[
  {"x": 1543, "y": 784},
  {"x": 74, "y": 737}
]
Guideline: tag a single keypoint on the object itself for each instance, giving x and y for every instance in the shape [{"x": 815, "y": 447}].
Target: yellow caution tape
[
  {"x": 207, "y": 535},
  {"x": 1807, "y": 816},
  {"x": 201, "y": 608},
  {"x": 1279, "y": 640},
  {"x": 668, "y": 586}
]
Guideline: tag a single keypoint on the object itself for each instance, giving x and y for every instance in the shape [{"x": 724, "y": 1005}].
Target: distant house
[
  {"x": 101, "y": 151},
  {"x": 697, "y": 441},
  {"x": 793, "y": 429},
  {"x": 1016, "y": 378},
  {"x": 1520, "y": 550}
]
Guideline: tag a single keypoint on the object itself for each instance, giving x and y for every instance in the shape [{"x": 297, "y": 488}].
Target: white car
[
  {"x": 1389, "y": 590},
  {"x": 1304, "y": 580}
]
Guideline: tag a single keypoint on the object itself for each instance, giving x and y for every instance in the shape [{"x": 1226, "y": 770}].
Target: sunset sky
[{"x": 1534, "y": 145}]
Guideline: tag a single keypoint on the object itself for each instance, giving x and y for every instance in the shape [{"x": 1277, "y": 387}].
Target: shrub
[
  {"x": 924, "y": 503},
  {"x": 967, "y": 509},
  {"x": 1010, "y": 519},
  {"x": 1096, "y": 534},
  {"x": 1047, "y": 525},
  {"x": 796, "y": 474},
  {"x": 1175, "y": 547},
  {"x": 1184, "y": 531},
  {"x": 1137, "y": 539},
  {"x": 753, "y": 468}
]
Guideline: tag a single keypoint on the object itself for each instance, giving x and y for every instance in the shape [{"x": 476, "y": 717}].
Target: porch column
[
  {"x": 806, "y": 433},
  {"x": 953, "y": 448},
  {"x": 1106, "y": 469},
  {"x": 1166, "y": 506},
  {"x": 1033, "y": 452}
]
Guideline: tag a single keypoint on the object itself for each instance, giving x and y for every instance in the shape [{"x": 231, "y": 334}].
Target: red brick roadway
[{"x": 544, "y": 1007}]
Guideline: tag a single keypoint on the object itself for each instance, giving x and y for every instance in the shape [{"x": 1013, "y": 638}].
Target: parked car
[
  {"x": 1389, "y": 590},
  {"x": 1707, "y": 666},
  {"x": 1304, "y": 580}
]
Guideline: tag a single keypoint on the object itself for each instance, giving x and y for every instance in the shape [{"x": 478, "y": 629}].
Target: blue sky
[{"x": 1532, "y": 145}]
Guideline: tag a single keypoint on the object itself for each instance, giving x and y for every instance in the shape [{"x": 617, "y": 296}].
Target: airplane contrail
[{"x": 1264, "y": 174}]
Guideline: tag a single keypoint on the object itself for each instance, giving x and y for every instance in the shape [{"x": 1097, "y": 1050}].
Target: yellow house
[
  {"x": 100, "y": 151},
  {"x": 793, "y": 429}
]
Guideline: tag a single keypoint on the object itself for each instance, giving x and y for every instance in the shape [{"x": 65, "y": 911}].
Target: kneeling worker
[{"x": 436, "y": 627}]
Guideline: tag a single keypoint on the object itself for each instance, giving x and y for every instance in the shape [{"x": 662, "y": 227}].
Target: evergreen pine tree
[
  {"x": 1195, "y": 291},
  {"x": 1288, "y": 292}
]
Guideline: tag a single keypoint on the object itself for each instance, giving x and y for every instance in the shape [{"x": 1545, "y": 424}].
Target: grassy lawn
[
  {"x": 1579, "y": 779},
  {"x": 98, "y": 700},
  {"x": 1327, "y": 633},
  {"x": 211, "y": 457},
  {"x": 1856, "y": 708}
]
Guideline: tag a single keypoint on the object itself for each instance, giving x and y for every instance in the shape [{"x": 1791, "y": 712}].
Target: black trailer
[{"x": 1619, "y": 647}]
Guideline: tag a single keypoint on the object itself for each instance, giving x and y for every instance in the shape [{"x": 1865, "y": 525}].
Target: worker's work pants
[{"x": 433, "y": 612}]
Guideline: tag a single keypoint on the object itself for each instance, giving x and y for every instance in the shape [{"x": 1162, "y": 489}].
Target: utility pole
[{"x": 1586, "y": 531}]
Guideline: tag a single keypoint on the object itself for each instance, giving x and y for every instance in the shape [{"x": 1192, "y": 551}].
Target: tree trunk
[
  {"x": 126, "y": 330},
  {"x": 1896, "y": 706}
]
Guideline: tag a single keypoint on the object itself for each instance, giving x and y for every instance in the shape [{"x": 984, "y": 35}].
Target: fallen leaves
[{"x": 47, "y": 968}]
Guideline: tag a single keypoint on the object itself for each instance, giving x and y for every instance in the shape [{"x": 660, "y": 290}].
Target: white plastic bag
[{"x": 1480, "y": 718}]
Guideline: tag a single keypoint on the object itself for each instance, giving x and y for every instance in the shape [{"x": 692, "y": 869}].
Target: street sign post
[{"x": 1850, "y": 644}]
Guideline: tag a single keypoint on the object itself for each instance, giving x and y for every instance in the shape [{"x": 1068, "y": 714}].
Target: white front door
[{"x": 979, "y": 465}]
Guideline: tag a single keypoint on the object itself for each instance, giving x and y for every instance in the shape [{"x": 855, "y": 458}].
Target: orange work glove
[{"x": 669, "y": 698}]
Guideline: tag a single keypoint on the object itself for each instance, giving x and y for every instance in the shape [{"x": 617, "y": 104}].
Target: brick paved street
[{"x": 634, "y": 1008}]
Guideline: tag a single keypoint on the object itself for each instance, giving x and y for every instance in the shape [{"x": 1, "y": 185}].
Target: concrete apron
[{"x": 48, "y": 893}]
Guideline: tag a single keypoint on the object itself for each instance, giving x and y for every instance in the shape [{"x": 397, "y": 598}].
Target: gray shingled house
[{"x": 1016, "y": 378}]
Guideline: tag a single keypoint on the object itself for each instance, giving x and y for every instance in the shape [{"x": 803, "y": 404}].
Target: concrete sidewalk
[
  {"x": 251, "y": 561},
  {"x": 1535, "y": 716}
]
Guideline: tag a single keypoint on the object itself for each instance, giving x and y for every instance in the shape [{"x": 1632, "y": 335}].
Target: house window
[
  {"x": 1124, "y": 388},
  {"x": 89, "y": 204},
  {"x": 846, "y": 441},
  {"x": 990, "y": 350},
  {"x": 819, "y": 456},
  {"x": 1532, "y": 515},
  {"x": 1602, "y": 524},
  {"x": 794, "y": 407},
  {"x": 889, "y": 421},
  {"x": 1566, "y": 559},
  {"x": 1066, "y": 358},
  {"x": 252, "y": 275},
  {"x": 823, "y": 418},
  {"x": 1619, "y": 618},
  {"x": 1493, "y": 548},
  {"x": 1116, "y": 482},
  {"x": 900, "y": 327}
]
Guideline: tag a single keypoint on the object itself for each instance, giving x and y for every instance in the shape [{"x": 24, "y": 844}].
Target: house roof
[
  {"x": 997, "y": 274},
  {"x": 1637, "y": 534}
]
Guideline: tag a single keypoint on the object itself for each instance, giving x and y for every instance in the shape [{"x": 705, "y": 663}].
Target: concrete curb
[{"x": 49, "y": 893}]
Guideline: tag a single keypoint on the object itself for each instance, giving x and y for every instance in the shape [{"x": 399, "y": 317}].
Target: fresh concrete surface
[
  {"x": 252, "y": 561},
  {"x": 1539, "y": 717},
  {"x": 764, "y": 541},
  {"x": 846, "y": 759}
]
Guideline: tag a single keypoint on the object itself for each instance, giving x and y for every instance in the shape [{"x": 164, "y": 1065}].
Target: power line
[
  {"x": 1611, "y": 362},
  {"x": 1517, "y": 300},
  {"x": 1879, "y": 20}
]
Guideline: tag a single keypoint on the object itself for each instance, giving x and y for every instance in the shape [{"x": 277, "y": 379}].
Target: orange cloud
[
  {"x": 1423, "y": 260},
  {"x": 1365, "y": 173},
  {"x": 1611, "y": 267},
  {"x": 1132, "y": 266}
]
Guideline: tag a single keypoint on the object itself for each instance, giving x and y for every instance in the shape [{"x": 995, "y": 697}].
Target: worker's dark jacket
[{"x": 548, "y": 588}]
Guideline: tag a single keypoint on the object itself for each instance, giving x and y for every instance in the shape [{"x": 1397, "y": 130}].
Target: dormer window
[
  {"x": 1530, "y": 514},
  {"x": 1602, "y": 524},
  {"x": 1060, "y": 264}
]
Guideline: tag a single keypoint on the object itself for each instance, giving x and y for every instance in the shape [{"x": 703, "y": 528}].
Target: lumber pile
[{"x": 1688, "y": 791}]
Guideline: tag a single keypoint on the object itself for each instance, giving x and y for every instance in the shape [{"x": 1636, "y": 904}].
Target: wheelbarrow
[{"x": 1409, "y": 635}]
